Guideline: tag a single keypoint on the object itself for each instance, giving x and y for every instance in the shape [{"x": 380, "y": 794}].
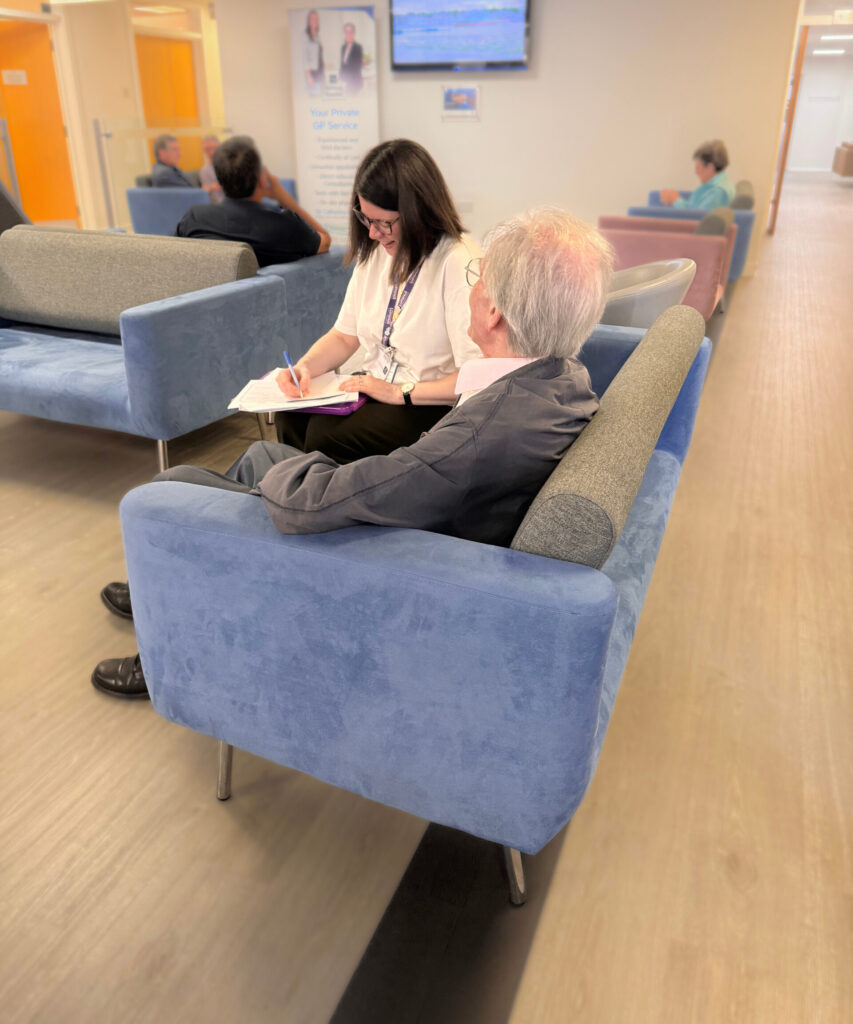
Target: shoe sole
[
  {"x": 114, "y": 609},
  {"x": 114, "y": 693}
]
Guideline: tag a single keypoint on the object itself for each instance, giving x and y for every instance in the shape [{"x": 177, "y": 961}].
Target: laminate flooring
[{"x": 707, "y": 876}]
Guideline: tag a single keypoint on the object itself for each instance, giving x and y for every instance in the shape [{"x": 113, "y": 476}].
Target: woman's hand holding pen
[{"x": 284, "y": 379}]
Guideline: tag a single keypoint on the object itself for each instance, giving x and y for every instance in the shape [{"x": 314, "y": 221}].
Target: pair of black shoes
[{"x": 120, "y": 677}]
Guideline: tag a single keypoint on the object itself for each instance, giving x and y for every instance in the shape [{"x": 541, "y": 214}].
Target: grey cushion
[
  {"x": 716, "y": 221},
  {"x": 144, "y": 181},
  {"x": 83, "y": 280},
  {"x": 579, "y": 513},
  {"x": 744, "y": 196}
]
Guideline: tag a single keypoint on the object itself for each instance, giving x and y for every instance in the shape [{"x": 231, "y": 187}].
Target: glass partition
[{"x": 125, "y": 152}]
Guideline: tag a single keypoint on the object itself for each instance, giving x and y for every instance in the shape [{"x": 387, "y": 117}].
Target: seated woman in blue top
[{"x": 710, "y": 161}]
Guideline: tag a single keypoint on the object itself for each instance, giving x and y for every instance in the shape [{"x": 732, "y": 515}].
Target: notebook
[{"x": 265, "y": 395}]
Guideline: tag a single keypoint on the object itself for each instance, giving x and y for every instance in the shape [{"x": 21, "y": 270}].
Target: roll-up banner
[{"x": 335, "y": 110}]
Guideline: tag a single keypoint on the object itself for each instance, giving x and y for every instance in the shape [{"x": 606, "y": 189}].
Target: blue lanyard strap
[{"x": 395, "y": 307}]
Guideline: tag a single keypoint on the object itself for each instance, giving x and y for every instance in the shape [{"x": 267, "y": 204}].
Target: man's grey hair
[
  {"x": 161, "y": 142},
  {"x": 548, "y": 273}
]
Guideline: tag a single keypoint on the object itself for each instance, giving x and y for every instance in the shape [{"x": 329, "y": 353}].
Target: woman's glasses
[
  {"x": 384, "y": 227},
  {"x": 474, "y": 270}
]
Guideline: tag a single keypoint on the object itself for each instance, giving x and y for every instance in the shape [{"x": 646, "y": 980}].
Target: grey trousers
[{"x": 246, "y": 473}]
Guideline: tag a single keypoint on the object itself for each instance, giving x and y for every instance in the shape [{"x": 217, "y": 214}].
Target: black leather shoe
[
  {"x": 120, "y": 677},
  {"x": 116, "y": 596}
]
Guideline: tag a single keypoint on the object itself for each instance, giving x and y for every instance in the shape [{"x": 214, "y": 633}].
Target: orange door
[
  {"x": 30, "y": 102},
  {"x": 167, "y": 80}
]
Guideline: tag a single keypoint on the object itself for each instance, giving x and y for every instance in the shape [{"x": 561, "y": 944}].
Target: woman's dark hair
[
  {"x": 400, "y": 175},
  {"x": 713, "y": 152},
  {"x": 237, "y": 165}
]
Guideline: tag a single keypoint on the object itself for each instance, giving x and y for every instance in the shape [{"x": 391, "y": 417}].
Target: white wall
[
  {"x": 617, "y": 97},
  {"x": 824, "y": 109}
]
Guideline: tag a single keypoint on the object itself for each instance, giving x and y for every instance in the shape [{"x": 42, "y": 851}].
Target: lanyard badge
[{"x": 395, "y": 308}]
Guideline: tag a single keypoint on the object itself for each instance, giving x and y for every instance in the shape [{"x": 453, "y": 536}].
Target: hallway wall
[{"x": 617, "y": 97}]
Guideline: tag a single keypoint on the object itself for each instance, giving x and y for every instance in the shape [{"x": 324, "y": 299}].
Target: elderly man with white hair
[{"x": 535, "y": 297}]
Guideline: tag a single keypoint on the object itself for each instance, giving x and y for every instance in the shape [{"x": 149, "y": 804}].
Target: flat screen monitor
[{"x": 463, "y": 35}]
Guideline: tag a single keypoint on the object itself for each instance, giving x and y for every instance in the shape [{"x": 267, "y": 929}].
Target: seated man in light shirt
[
  {"x": 710, "y": 161},
  {"x": 535, "y": 297}
]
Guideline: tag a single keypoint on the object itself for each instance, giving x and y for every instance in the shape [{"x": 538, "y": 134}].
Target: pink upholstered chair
[{"x": 646, "y": 239}]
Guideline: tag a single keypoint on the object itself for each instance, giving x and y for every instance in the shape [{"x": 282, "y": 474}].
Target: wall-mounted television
[{"x": 459, "y": 35}]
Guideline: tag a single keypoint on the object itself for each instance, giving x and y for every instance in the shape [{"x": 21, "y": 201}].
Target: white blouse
[{"x": 430, "y": 338}]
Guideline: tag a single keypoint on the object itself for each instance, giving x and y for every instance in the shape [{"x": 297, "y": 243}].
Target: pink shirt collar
[{"x": 477, "y": 374}]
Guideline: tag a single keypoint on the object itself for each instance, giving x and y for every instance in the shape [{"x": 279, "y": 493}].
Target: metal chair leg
[
  {"x": 515, "y": 876},
  {"x": 260, "y": 420},
  {"x": 226, "y": 759},
  {"x": 162, "y": 456}
]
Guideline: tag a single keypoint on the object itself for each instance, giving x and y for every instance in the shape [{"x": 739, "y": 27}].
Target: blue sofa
[
  {"x": 744, "y": 219},
  {"x": 468, "y": 684},
  {"x": 150, "y": 336},
  {"x": 157, "y": 211}
]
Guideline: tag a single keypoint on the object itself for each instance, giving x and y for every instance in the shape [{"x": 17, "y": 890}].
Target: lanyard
[{"x": 395, "y": 307}]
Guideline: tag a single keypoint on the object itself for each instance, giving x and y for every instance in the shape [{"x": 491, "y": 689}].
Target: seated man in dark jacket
[
  {"x": 276, "y": 235},
  {"x": 535, "y": 296},
  {"x": 165, "y": 173}
]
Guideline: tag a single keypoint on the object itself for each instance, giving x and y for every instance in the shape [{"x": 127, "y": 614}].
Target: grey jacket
[{"x": 473, "y": 475}]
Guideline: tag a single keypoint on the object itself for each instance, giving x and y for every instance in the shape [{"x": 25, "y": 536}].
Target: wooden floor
[{"x": 708, "y": 875}]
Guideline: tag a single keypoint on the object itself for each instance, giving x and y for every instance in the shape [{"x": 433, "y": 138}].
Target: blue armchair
[
  {"x": 468, "y": 684},
  {"x": 157, "y": 211}
]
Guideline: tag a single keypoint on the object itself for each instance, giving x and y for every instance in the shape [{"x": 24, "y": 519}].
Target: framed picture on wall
[{"x": 460, "y": 103}]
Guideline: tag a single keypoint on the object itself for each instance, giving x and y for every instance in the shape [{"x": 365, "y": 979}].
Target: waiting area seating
[
  {"x": 639, "y": 294},
  {"x": 744, "y": 218},
  {"x": 465, "y": 683},
  {"x": 157, "y": 211},
  {"x": 11, "y": 212},
  {"x": 150, "y": 336},
  {"x": 709, "y": 243}
]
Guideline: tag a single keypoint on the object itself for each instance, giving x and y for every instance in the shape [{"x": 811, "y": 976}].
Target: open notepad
[{"x": 265, "y": 395}]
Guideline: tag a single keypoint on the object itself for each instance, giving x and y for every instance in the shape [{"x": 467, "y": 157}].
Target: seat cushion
[
  {"x": 84, "y": 280},
  {"x": 74, "y": 377}
]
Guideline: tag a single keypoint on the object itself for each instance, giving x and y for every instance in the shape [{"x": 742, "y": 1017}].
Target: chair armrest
[
  {"x": 186, "y": 357},
  {"x": 680, "y": 226},
  {"x": 456, "y": 681},
  {"x": 708, "y": 252},
  {"x": 670, "y": 212},
  {"x": 315, "y": 288}
]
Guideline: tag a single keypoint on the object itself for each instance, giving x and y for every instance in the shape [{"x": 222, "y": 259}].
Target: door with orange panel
[
  {"x": 167, "y": 81},
  {"x": 29, "y": 101}
]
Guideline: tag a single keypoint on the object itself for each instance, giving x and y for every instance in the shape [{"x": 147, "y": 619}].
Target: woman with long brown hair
[{"x": 405, "y": 311}]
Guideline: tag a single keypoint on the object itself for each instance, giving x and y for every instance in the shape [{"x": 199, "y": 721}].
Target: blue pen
[{"x": 292, "y": 373}]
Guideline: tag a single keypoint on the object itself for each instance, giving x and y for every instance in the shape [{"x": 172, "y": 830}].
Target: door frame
[{"x": 64, "y": 86}]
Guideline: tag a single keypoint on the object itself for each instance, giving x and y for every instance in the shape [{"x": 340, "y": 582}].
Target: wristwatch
[{"x": 407, "y": 390}]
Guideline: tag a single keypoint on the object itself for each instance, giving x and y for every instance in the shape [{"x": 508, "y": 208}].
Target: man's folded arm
[{"x": 418, "y": 487}]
